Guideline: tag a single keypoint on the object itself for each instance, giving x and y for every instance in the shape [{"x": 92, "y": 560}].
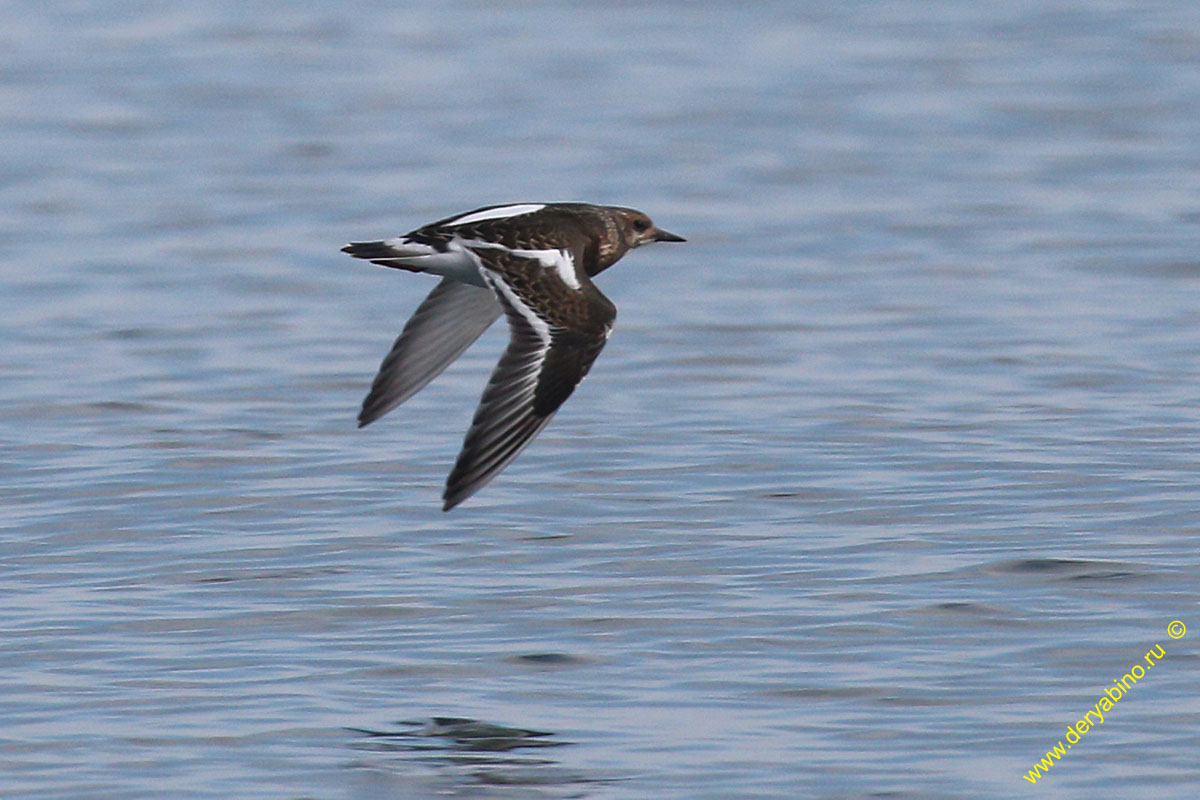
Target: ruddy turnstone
[{"x": 532, "y": 261}]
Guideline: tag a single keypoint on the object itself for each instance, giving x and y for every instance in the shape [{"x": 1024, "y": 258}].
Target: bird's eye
[{"x": 641, "y": 225}]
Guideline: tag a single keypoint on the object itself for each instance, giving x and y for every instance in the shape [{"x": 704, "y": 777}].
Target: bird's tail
[{"x": 387, "y": 253}]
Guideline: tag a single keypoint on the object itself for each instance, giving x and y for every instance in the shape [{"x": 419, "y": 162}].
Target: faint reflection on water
[
  {"x": 460, "y": 733},
  {"x": 469, "y": 758}
]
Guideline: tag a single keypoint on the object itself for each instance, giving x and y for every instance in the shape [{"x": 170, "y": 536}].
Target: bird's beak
[{"x": 662, "y": 236}]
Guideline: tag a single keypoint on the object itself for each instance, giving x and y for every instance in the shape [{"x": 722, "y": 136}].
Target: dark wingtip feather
[
  {"x": 450, "y": 499},
  {"x": 455, "y": 493},
  {"x": 369, "y": 413},
  {"x": 477, "y": 467}
]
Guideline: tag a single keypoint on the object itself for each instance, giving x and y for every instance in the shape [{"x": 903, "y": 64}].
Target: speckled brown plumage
[{"x": 534, "y": 262}]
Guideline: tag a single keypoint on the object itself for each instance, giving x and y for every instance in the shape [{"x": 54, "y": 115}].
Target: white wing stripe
[
  {"x": 502, "y": 212},
  {"x": 539, "y": 325},
  {"x": 560, "y": 261}
]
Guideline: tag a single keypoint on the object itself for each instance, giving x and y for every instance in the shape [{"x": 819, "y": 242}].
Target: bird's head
[{"x": 637, "y": 229}]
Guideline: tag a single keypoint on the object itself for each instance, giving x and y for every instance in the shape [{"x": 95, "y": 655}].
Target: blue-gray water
[{"x": 882, "y": 479}]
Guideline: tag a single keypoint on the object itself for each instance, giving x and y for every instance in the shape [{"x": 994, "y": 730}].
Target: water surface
[{"x": 881, "y": 480}]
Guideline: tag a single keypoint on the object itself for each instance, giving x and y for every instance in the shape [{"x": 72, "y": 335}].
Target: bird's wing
[
  {"x": 559, "y": 322},
  {"x": 443, "y": 326}
]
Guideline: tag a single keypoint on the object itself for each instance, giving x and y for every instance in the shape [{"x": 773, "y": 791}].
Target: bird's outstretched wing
[
  {"x": 559, "y": 322},
  {"x": 445, "y": 324}
]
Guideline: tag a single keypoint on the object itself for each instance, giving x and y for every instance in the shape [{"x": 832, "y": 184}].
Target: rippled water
[{"x": 882, "y": 479}]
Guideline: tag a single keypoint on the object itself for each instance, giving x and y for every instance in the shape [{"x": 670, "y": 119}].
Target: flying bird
[{"x": 533, "y": 262}]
